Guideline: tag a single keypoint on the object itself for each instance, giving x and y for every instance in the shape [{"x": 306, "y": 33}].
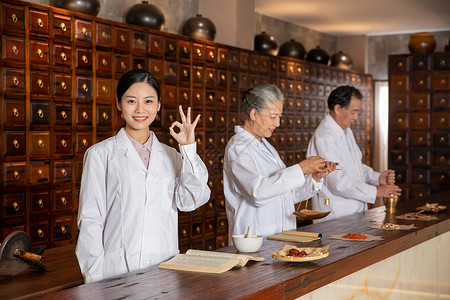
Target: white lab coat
[
  {"x": 259, "y": 190},
  {"x": 350, "y": 189},
  {"x": 128, "y": 218}
]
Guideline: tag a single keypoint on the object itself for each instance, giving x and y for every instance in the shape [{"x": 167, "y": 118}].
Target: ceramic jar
[
  {"x": 199, "y": 28},
  {"x": 421, "y": 43},
  {"x": 90, "y": 7},
  {"x": 147, "y": 15},
  {"x": 265, "y": 43},
  {"x": 342, "y": 61},
  {"x": 318, "y": 55},
  {"x": 292, "y": 48}
]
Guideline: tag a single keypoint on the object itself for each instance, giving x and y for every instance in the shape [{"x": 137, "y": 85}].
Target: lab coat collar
[
  {"x": 253, "y": 141},
  {"x": 334, "y": 126}
]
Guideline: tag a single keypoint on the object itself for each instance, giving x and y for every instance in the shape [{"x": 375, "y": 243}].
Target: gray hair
[{"x": 258, "y": 97}]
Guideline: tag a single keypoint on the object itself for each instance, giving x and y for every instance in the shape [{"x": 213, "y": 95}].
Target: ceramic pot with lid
[
  {"x": 265, "y": 43},
  {"x": 199, "y": 28},
  {"x": 342, "y": 61},
  {"x": 89, "y": 7},
  {"x": 421, "y": 43},
  {"x": 318, "y": 55},
  {"x": 147, "y": 15},
  {"x": 292, "y": 48}
]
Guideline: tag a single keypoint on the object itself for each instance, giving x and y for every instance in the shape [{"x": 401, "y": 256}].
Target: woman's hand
[
  {"x": 313, "y": 164},
  {"x": 387, "y": 177},
  {"x": 186, "y": 135},
  {"x": 329, "y": 167}
]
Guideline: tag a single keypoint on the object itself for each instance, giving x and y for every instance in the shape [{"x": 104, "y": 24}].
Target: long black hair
[{"x": 135, "y": 76}]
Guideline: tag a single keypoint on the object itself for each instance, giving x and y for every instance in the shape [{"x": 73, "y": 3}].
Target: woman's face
[
  {"x": 139, "y": 106},
  {"x": 266, "y": 121}
]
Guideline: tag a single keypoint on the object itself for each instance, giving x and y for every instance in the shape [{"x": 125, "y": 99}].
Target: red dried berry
[{"x": 293, "y": 252}]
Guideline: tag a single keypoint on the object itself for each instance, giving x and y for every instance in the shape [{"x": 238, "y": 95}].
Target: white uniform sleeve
[
  {"x": 337, "y": 182},
  {"x": 192, "y": 184},
  {"x": 91, "y": 219},
  {"x": 256, "y": 187},
  {"x": 371, "y": 176}
]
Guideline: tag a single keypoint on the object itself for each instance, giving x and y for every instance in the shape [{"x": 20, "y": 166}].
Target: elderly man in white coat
[
  {"x": 352, "y": 188},
  {"x": 260, "y": 191}
]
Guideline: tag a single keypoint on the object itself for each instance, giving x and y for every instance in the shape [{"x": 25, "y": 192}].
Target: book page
[
  {"x": 243, "y": 257},
  {"x": 208, "y": 264}
]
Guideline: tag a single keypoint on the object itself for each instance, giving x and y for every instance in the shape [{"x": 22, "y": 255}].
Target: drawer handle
[
  {"x": 198, "y": 96},
  {"x": 40, "y": 22},
  {"x": 104, "y": 89},
  {"x": 63, "y": 114},
  {"x": 84, "y": 115},
  {"x": 15, "y": 81},
  {"x": 104, "y": 35},
  {"x": 139, "y": 66},
  {"x": 84, "y": 142},
  {"x": 222, "y": 98},
  {"x": 197, "y": 229},
  {"x": 41, "y": 143},
  {"x": 40, "y": 53},
  {"x": 210, "y": 205},
  {"x": 210, "y": 140},
  {"x": 63, "y": 143},
  {"x": 40, "y": 83},
  {"x": 63, "y": 56},
  {"x": 442, "y": 101},
  {"x": 442, "y": 177},
  {"x": 84, "y": 31},
  {"x": 222, "y": 56},
  {"x": 171, "y": 142},
  {"x": 199, "y": 75},
  {"x": 210, "y": 119},
  {"x": 291, "y": 69},
  {"x": 420, "y": 195},
  {"x": 420, "y": 176},
  {"x": 104, "y": 62},
  {"x": 210, "y": 183},
  {"x": 211, "y": 54},
  {"x": 233, "y": 99},
  {"x": 420, "y": 158},
  {"x": 399, "y": 176},
  {"x": 84, "y": 59},
  {"x": 15, "y": 112},
  {"x": 283, "y": 68},
  {"x": 40, "y": 233},
  {"x": 15, "y": 50},
  {"x": 399, "y": 120},
  {"x": 399, "y": 64},
  {"x": 171, "y": 47},
  {"x": 122, "y": 38},
  {"x": 63, "y": 230},
  {"x": 170, "y": 94},
  {"x": 421, "y": 82},
  {"x": 85, "y": 87},
  {"x": 140, "y": 41},
  {"x": 420, "y": 64},
  {"x": 156, "y": 44},
  {"x": 442, "y": 158},
  {"x": 40, "y": 203},
  {"x": 442, "y": 82},
  {"x": 63, "y": 200},
  {"x": 223, "y": 77},
  {"x": 442, "y": 140},
  {"x": 123, "y": 65},
  {"x": 442, "y": 63},
  {"x": 64, "y": 172},
  {"x": 211, "y": 75},
  {"x": 420, "y": 120},
  {"x": 233, "y": 79},
  {"x": 185, "y": 95},
  {"x": 199, "y": 52},
  {"x": 211, "y": 97},
  {"x": 16, "y": 175},
  {"x": 399, "y": 101},
  {"x": 14, "y": 18},
  {"x": 210, "y": 227},
  {"x": 282, "y": 139},
  {"x": 16, "y": 144},
  {"x": 63, "y": 27},
  {"x": 171, "y": 71},
  {"x": 442, "y": 121},
  {"x": 156, "y": 69},
  {"x": 16, "y": 206},
  {"x": 199, "y": 141},
  {"x": 40, "y": 173},
  {"x": 40, "y": 113},
  {"x": 185, "y": 73},
  {"x": 184, "y": 232},
  {"x": 420, "y": 101},
  {"x": 222, "y": 140},
  {"x": 222, "y": 119},
  {"x": 185, "y": 50},
  {"x": 171, "y": 118},
  {"x": 105, "y": 116},
  {"x": 420, "y": 139}
]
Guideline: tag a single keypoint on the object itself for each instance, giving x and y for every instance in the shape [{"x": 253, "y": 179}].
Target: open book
[{"x": 207, "y": 261}]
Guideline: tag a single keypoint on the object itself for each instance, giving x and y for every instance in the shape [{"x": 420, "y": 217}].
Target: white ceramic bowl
[{"x": 250, "y": 244}]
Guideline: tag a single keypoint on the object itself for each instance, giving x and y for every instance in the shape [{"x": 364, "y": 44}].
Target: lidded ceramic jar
[
  {"x": 342, "y": 61},
  {"x": 265, "y": 43},
  {"x": 421, "y": 43},
  {"x": 318, "y": 55},
  {"x": 90, "y": 7},
  {"x": 147, "y": 15},
  {"x": 292, "y": 48},
  {"x": 199, "y": 28}
]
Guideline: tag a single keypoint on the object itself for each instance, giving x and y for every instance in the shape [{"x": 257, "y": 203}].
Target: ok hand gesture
[{"x": 186, "y": 135}]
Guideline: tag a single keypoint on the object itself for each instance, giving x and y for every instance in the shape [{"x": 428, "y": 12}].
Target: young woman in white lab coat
[
  {"x": 260, "y": 191},
  {"x": 132, "y": 186}
]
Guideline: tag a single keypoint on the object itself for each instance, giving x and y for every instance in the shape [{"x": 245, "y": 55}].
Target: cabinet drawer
[
  {"x": 441, "y": 120},
  {"x": 14, "y": 113},
  {"x": 233, "y": 59},
  {"x": 13, "y": 205},
  {"x": 398, "y": 64},
  {"x": 15, "y": 143},
  {"x": 104, "y": 89},
  {"x": 62, "y": 171},
  {"x": 40, "y": 83},
  {"x": 62, "y": 228},
  {"x": 122, "y": 63},
  {"x": 62, "y": 56},
  {"x": 420, "y": 121},
  {"x": 39, "y": 172},
  {"x": 40, "y": 202},
  {"x": 197, "y": 230},
  {"x": 40, "y": 143},
  {"x": 170, "y": 71},
  {"x": 441, "y": 80},
  {"x": 211, "y": 77},
  {"x": 440, "y": 179},
  {"x": 103, "y": 35},
  {"x": 399, "y": 83},
  {"x": 122, "y": 40},
  {"x": 234, "y": 80},
  {"x": 139, "y": 44},
  {"x": 420, "y": 138},
  {"x": 420, "y": 176},
  {"x": 40, "y": 112},
  {"x": 13, "y": 18},
  {"x": 198, "y": 74},
  {"x": 184, "y": 74},
  {"x": 62, "y": 27},
  {"x": 84, "y": 87},
  {"x": 13, "y": 49},
  {"x": 420, "y": 62},
  {"x": 254, "y": 62},
  {"x": 14, "y": 81},
  {"x": 139, "y": 63},
  {"x": 441, "y": 139},
  {"x": 62, "y": 200},
  {"x": 420, "y": 101},
  {"x": 184, "y": 97},
  {"x": 84, "y": 141},
  {"x": 104, "y": 115},
  {"x": 198, "y": 52},
  {"x": 442, "y": 62},
  {"x": 210, "y": 227},
  {"x": 420, "y": 157},
  {"x": 170, "y": 93},
  {"x": 83, "y": 31},
  {"x": 221, "y": 103},
  {"x": 40, "y": 232},
  {"x": 170, "y": 47},
  {"x": 441, "y": 100},
  {"x": 222, "y": 79},
  {"x": 401, "y": 175},
  {"x": 39, "y": 53},
  {"x": 63, "y": 114},
  {"x": 222, "y": 225},
  {"x": 420, "y": 81},
  {"x": 83, "y": 58},
  {"x": 63, "y": 143},
  {"x": 155, "y": 44},
  {"x": 156, "y": 68},
  {"x": 39, "y": 22},
  {"x": 104, "y": 62},
  {"x": 441, "y": 157},
  {"x": 14, "y": 174}
]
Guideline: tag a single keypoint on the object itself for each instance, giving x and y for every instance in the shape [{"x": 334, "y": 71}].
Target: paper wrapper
[
  {"x": 417, "y": 217},
  {"x": 369, "y": 238},
  {"x": 400, "y": 227},
  {"x": 311, "y": 254},
  {"x": 296, "y": 236}
]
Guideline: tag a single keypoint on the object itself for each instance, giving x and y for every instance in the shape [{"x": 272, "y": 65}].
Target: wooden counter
[{"x": 273, "y": 279}]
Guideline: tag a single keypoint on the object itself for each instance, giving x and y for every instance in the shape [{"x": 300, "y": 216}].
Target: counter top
[{"x": 272, "y": 278}]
